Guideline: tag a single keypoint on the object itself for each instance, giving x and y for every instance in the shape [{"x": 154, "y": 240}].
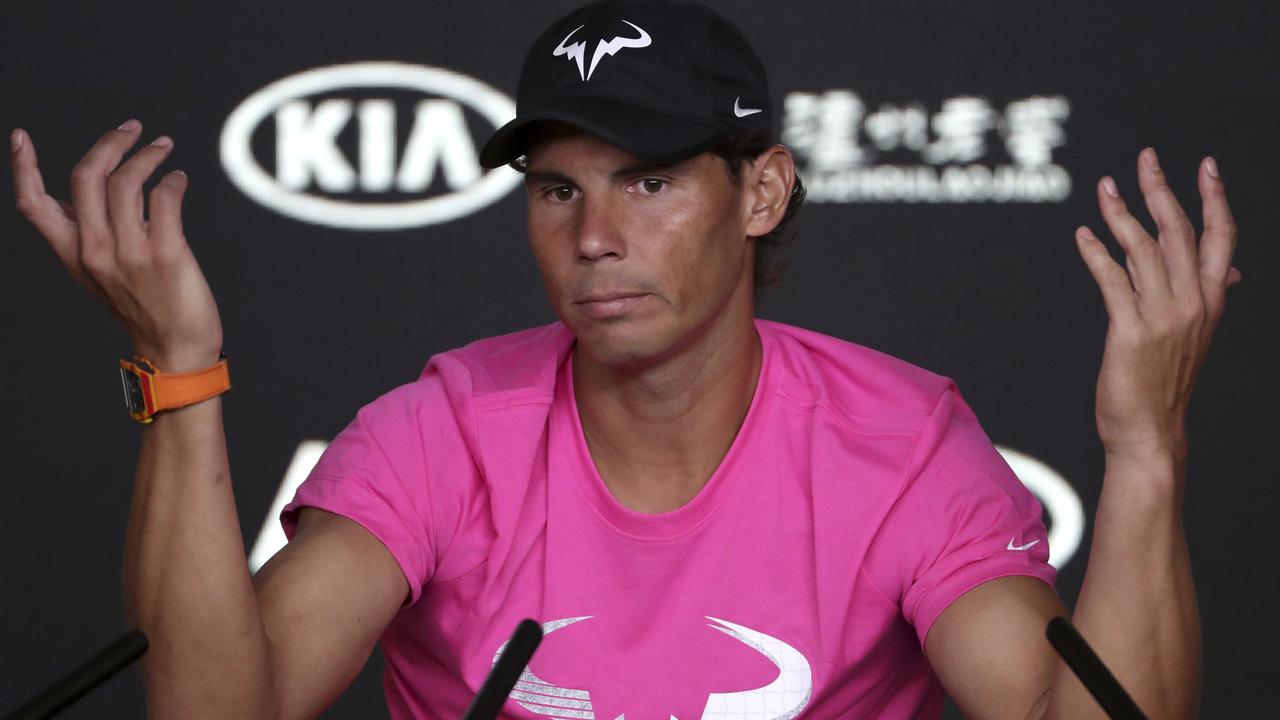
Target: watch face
[{"x": 132, "y": 386}]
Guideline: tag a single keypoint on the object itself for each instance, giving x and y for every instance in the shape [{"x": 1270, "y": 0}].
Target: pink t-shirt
[{"x": 858, "y": 500}]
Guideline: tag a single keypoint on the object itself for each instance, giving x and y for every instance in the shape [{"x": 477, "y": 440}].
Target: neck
[{"x": 658, "y": 433}]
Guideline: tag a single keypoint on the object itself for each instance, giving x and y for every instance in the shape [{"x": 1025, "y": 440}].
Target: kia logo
[{"x": 440, "y": 150}]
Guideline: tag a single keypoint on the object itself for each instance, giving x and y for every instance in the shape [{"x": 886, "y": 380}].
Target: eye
[
  {"x": 652, "y": 186},
  {"x": 561, "y": 193}
]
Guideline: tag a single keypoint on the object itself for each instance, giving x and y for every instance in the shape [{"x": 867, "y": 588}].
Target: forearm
[
  {"x": 1137, "y": 607},
  {"x": 185, "y": 579}
]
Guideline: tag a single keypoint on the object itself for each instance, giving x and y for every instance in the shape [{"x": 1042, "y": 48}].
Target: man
[{"x": 714, "y": 516}]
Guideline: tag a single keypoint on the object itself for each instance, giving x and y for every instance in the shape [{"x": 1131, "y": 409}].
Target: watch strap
[
  {"x": 175, "y": 390},
  {"x": 148, "y": 391}
]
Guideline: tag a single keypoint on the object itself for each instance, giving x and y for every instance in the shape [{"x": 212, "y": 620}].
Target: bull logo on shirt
[{"x": 781, "y": 699}]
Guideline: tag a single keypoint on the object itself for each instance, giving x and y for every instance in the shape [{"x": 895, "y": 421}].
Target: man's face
[{"x": 639, "y": 261}]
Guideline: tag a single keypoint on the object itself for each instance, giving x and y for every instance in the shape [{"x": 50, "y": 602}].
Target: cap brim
[{"x": 641, "y": 131}]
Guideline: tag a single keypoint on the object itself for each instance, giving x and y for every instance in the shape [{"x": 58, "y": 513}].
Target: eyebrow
[
  {"x": 533, "y": 177},
  {"x": 537, "y": 177}
]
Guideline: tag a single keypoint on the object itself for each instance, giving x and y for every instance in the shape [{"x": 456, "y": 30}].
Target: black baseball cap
[{"x": 662, "y": 79}]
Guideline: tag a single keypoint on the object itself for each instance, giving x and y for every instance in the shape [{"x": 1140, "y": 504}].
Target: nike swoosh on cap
[{"x": 743, "y": 112}]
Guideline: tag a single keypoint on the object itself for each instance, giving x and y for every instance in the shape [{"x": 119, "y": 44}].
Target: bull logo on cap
[{"x": 576, "y": 52}]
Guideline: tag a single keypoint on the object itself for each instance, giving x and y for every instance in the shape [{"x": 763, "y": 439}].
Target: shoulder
[
  {"x": 503, "y": 369},
  {"x": 522, "y": 361},
  {"x": 868, "y": 390}
]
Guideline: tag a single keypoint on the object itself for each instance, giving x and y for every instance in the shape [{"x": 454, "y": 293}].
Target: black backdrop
[{"x": 320, "y": 320}]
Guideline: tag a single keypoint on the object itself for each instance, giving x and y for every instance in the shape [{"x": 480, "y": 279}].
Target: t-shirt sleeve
[
  {"x": 375, "y": 472},
  {"x": 962, "y": 518}
]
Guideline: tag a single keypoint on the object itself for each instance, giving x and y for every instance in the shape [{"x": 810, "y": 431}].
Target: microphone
[
  {"x": 1087, "y": 666},
  {"x": 89, "y": 675},
  {"x": 506, "y": 671}
]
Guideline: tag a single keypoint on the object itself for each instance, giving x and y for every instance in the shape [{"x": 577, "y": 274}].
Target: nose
[{"x": 599, "y": 233}]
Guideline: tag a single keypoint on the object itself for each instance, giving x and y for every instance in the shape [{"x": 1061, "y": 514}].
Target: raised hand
[
  {"x": 1163, "y": 307},
  {"x": 137, "y": 263}
]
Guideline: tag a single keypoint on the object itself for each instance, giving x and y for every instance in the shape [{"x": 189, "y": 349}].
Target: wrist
[
  {"x": 150, "y": 387},
  {"x": 1170, "y": 446},
  {"x": 1148, "y": 475}
]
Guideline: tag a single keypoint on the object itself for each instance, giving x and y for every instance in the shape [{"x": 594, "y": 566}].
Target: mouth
[{"x": 611, "y": 304}]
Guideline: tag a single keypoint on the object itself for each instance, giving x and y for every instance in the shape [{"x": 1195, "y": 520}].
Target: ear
[{"x": 767, "y": 185}]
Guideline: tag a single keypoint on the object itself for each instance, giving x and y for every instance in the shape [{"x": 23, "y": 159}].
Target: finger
[
  {"x": 1177, "y": 239},
  {"x": 48, "y": 215},
  {"x": 1146, "y": 260},
  {"x": 1218, "y": 244},
  {"x": 124, "y": 194},
  {"x": 27, "y": 180},
  {"x": 1113, "y": 281},
  {"x": 1234, "y": 276},
  {"x": 166, "y": 213},
  {"x": 89, "y": 190}
]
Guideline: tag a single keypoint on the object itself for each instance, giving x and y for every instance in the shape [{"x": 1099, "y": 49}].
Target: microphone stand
[
  {"x": 1087, "y": 666},
  {"x": 87, "y": 676},
  {"x": 506, "y": 671}
]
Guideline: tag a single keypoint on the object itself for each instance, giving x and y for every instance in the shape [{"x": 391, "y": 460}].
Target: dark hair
[{"x": 738, "y": 149}]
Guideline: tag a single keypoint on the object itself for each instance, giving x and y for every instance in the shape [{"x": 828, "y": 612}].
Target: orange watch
[{"x": 147, "y": 391}]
